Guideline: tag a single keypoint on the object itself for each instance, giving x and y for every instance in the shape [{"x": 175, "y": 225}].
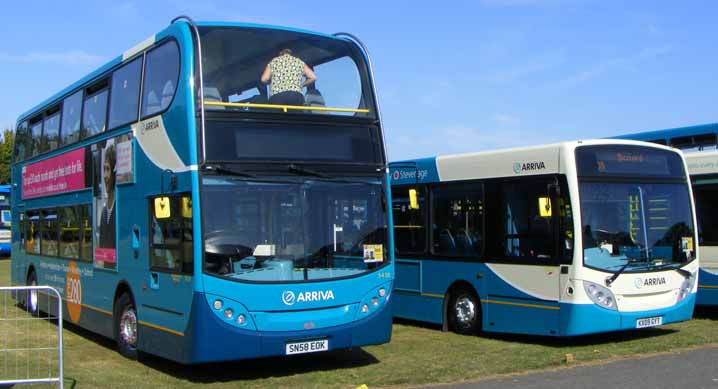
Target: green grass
[{"x": 417, "y": 355}]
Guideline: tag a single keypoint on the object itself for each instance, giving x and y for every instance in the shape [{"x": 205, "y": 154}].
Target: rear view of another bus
[{"x": 5, "y": 224}]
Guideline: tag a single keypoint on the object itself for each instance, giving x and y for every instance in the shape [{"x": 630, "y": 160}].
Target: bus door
[
  {"x": 524, "y": 280},
  {"x": 168, "y": 296}
]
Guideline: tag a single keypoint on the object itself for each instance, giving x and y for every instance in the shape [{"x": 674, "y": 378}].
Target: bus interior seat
[
  {"x": 464, "y": 243},
  {"x": 168, "y": 93},
  {"x": 212, "y": 94},
  {"x": 447, "y": 244}
]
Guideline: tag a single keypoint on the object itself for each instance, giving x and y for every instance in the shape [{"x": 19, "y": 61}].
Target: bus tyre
[
  {"x": 32, "y": 299},
  {"x": 126, "y": 333},
  {"x": 464, "y": 312}
]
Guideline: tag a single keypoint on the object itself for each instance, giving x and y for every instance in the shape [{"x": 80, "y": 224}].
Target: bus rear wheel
[
  {"x": 126, "y": 334},
  {"x": 464, "y": 312},
  {"x": 32, "y": 299}
]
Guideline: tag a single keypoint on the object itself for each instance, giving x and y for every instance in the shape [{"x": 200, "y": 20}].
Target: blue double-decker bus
[
  {"x": 700, "y": 146},
  {"x": 558, "y": 240},
  {"x": 5, "y": 220},
  {"x": 188, "y": 207}
]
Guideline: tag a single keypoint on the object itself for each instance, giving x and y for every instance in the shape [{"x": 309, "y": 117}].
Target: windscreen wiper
[
  {"x": 615, "y": 275},
  {"x": 301, "y": 170},
  {"x": 685, "y": 273},
  {"x": 223, "y": 170}
]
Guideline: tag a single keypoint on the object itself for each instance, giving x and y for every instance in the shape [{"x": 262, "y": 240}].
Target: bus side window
[
  {"x": 171, "y": 234},
  {"x": 85, "y": 212},
  {"x": 23, "y": 230},
  {"x": 409, "y": 219},
  {"x": 457, "y": 220},
  {"x": 32, "y": 244},
  {"x": 35, "y": 138},
  {"x": 69, "y": 233},
  {"x": 21, "y": 142},
  {"x": 527, "y": 234},
  {"x": 161, "y": 77}
]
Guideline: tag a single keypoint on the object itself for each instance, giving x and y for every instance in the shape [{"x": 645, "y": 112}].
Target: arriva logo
[
  {"x": 528, "y": 166},
  {"x": 289, "y": 298},
  {"x": 517, "y": 167},
  {"x": 653, "y": 281}
]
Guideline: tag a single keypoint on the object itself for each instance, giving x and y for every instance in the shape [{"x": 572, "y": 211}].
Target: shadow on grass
[
  {"x": 244, "y": 369},
  {"x": 264, "y": 367},
  {"x": 706, "y": 312},
  {"x": 551, "y": 341}
]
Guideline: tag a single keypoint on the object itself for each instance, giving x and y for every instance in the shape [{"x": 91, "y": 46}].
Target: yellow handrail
[{"x": 285, "y": 108}]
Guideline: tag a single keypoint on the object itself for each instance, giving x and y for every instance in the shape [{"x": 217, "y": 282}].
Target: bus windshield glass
[
  {"x": 293, "y": 229},
  {"x": 643, "y": 223},
  {"x": 247, "y": 69}
]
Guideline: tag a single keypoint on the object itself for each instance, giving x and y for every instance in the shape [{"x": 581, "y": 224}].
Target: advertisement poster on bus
[
  {"x": 113, "y": 164},
  {"x": 63, "y": 173}
]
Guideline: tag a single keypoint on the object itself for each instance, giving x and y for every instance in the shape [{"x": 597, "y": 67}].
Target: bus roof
[
  {"x": 668, "y": 134},
  {"x": 97, "y": 73},
  {"x": 4, "y": 188},
  {"x": 531, "y": 160}
]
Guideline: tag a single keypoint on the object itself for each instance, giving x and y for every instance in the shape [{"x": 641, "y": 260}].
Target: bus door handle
[{"x": 136, "y": 241}]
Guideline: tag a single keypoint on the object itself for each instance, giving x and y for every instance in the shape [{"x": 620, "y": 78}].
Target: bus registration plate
[
  {"x": 649, "y": 322},
  {"x": 312, "y": 346}
]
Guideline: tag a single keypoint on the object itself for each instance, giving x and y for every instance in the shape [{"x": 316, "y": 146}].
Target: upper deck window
[
  {"x": 51, "y": 135},
  {"x": 94, "y": 115},
  {"x": 279, "y": 71},
  {"x": 36, "y": 136},
  {"x": 71, "y": 110},
  {"x": 21, "y": 142},
  {"x": 161, "y": 77},
  {"x": 125, "y": 99}
]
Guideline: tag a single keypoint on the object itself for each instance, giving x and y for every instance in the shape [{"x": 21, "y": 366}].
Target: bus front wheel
[
  {"x": 464, "y": 312},
  {"x": 126, "y": 333}
]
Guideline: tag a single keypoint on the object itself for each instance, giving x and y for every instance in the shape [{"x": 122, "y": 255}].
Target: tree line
[{"x": 6, "y": 142}]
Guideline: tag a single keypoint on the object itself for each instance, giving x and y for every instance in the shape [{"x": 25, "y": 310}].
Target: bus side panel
[
  {"x": 707, "y": 288},
  {"x": 410, "y": 303},
  {"x": 512, "y": 306},
  {"x": 422, "y": 286}
]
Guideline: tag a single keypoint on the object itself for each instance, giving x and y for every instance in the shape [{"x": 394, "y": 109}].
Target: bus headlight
[
  {"x": 228, "y": 313},
  {"x": 686, "y": 287},
  {"x": 600, "y": 295},
  {"x": 217, "y": 304}
]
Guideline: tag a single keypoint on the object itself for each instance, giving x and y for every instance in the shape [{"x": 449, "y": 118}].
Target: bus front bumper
[
  {"x": 582, "y": 319},
  {"x": 213, "y": 340}
]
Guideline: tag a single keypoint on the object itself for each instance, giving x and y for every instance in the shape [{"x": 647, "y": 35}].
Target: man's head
[
  {"x": 109, "y": 168},
  {"x": 285, "y": 52}
]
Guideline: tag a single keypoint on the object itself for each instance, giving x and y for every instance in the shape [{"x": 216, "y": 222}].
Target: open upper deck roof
[{"x": 172, "y": 29}]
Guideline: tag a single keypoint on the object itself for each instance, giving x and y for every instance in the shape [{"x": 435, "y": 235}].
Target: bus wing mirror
[
  {"x": 544, "y": 204},
  {"x": 162, "y": 208},
  {"x": 413, "y": 199}
]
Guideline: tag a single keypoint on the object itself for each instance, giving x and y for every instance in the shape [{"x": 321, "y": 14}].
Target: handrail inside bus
[{"x": 285, "y": 108}]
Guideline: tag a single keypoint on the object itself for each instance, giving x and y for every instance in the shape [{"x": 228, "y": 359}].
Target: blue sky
[{"x": 452, "y": 76}]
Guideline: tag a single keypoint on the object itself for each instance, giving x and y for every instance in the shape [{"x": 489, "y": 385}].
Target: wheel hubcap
[
  {"x": 128, "y": 327},
  {"x": 465, "y": 310},
  {"x": 33, "y": 297}
]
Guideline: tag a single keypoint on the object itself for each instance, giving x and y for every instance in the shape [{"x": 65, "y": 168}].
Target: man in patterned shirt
[{"x": 288, "y": 75}]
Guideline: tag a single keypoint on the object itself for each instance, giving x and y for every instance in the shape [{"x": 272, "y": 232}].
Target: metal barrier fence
[{"x": 30, "y": 335}]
